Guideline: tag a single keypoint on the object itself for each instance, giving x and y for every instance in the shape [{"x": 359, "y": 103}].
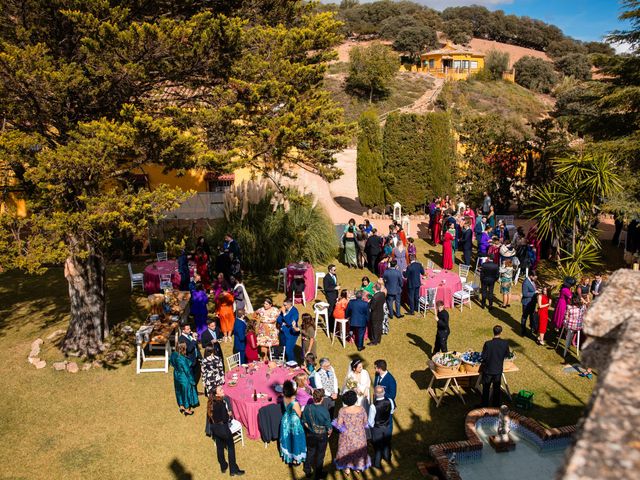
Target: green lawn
[{"x": 110, "y": 423}]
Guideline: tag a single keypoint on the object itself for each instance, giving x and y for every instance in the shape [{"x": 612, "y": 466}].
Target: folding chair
[
  {"x": 236, "y": 431},
  {"x": 233, "y": 360},
  {"x": 161, "y": 256},
  {"x": 463, "y": 271},
  {"x": 137, "y": 279},
  {"x": 277, "y": 353},
  {"x": 460, "y": 298},
  {"x": 473, "y": 287},
  {"x": 282, "y": 274},
  {"x": 565, "y": 345},
  {"x": 165, "y": 282},
  {"x": 428, "y": 301},
  {"x": 430, "y": 265}
]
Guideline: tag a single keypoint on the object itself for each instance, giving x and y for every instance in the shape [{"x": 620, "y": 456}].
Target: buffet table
[
  {"x": 157, "y": 336},
  {"x": 263, "y": 380},
  {"x": 451, "y": 381}
]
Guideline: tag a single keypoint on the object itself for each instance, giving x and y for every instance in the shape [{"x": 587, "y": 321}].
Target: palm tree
[{"x": 572, "y": 203}]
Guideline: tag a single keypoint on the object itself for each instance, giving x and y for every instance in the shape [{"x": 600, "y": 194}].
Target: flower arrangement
[
  {"x": 352, "y": 384},
  {"x": 473, "y": 358}
]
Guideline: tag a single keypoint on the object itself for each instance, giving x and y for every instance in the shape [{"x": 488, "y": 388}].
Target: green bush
[
  {"x": 535, "y": 74},
  {"x": 495, "y": 64},
  {"x": 576, "y": 65},
  {"x": 369, "y": 161},
  {"x": 418, "y": 152},
  {"x": 273, "y": 237}
]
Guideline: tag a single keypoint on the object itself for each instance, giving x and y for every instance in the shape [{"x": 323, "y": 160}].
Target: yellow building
[{"x": 453, "y": 62}]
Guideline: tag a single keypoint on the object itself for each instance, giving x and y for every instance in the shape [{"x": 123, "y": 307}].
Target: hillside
[{"x": 515, "y": 52}]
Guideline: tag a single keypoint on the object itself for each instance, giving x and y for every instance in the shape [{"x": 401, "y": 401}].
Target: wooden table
[
  {"x": 452, "y": 382},
  {"x": 159, "y": 339}
]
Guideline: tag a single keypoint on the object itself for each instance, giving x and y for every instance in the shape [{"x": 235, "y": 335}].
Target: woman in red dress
[
  {"x": 543, "y": 314},
  {"x": 437, "y": 225},
  {"x": 202, "y": 267},
  {"x": 251, "y": 350},
  {"x": 447, "y": 252}
]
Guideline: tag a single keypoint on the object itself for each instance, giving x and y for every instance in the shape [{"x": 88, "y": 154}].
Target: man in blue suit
[
  {"x": 385, "y": 379},
  {"x": 529, "y": 300},
  {"x": 466, "y": 240},
  {"x": 414, "y": 273},
  {"x": 358, "y": 314},
  {"x": 289, "y": 330},
  {"x": 240, "y": 335},
  {"x": 393, "y": 282}
]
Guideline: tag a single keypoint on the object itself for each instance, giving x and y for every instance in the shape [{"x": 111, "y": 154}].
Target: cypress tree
[{"x": 369, "y": 161}]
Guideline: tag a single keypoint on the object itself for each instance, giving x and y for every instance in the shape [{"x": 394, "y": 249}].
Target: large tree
[
  {"x": 369, "y": 161},
  {"x": 371, "y": 70},
  {"x": 92, "y": 93}
]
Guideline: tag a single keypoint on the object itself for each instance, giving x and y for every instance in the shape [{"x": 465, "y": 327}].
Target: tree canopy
[
  {"x": 371, "y": 70},
  {"x": 535, "y": 74}
]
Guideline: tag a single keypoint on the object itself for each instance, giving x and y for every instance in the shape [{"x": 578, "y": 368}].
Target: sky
[{"x": 581, "y": 19}]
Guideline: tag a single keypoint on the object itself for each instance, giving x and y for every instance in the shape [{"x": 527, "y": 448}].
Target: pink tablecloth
[
  {"x": 151, "y": 275},
  {"x": 306, "y": 270},
  {"x": 445, "y": 292},
  {"x": 245, "y": 410}
]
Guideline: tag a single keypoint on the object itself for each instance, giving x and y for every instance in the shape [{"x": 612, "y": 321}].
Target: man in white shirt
[
  {"x": 326, "y": 378},
  {"x": 380, "y": 419}
]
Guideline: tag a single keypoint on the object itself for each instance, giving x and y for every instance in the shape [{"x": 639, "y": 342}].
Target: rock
[
  {"x": 86, "y": 366},
  {"x": 369, "y": 212},
  {"x": 72, "y": 367},
  {"x": 127, "y": 329},
  {"x": 106, "y": 345},
  {"x": 97, "y": 364},
  {"x": 36, "y": 343},
  {"x": 55, "y": 334},
  {"x": 33, "y": 360},
  {"x": 40, "y": 364},
  {"x": 34, "y": 352},
  {"x": 59, "y": 365}
]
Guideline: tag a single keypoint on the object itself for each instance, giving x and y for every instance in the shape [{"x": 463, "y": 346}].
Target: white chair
[
  {"x": 565, "y": 345},
  {"x": 277, "y": 353},
  {"x": 480, "y": 261},
  {"x": 319, "y": 276},
  {"x": 282, "y": 274},
  {"x": 321, "y": 309},
  {"x": 137, "y": 279},
  {"x": 161, "y": 256},
  {"x": 165, "y": 282},
  {"x": 460, "y": 298},
  {"x": 473, "y": 287},
  {"x": 302, "y": 295},
  {"x": 236, "y": 431},
  {"x": 233, "y": 360},
  {"x": 463, "y": 271},
  {"x": 343, "y": 331},
  {"x": 428, "y": 301},
  {"x": 526, "y": 274},
  {"x": 430, "y": 265}
]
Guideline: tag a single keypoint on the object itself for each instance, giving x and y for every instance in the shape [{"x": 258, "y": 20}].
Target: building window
[
  {"x": 456, "y": 64},
  {"x": 220, "y": 183},
  {"x": 432, "y": 63},
  {"x": 474, "y": 65}
]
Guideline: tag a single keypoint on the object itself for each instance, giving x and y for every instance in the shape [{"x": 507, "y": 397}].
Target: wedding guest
[
  {"x": 543, "y": 314},
  {"x": 199, "y": 300},
  {"x": 231, "y": 246},
  {"x": 183, "y": 270},
  {"x": 251, "y": 348},
  {"x": 376, "y": 314},
  {"x": 212, "y": 336},
  {"x": 596, "y": 285},
  {"x": 325, "y": 378},
  {"x": 224, "y": 311},
  {"x": 411, "y": 247},
  {"x": 308, "y": 333},
  {"x": 190, "y": 339},
  {"x": 447, "y": 250},
  {"x": 380, "y": 419},
  {"x": 358, "y": 315},
  {"x": 202, "y": 267},
  {"x": 494, "y": 352},
  {"x": 340, "y": 309},
  {"x": 293, "y": 445},
  {"x": 317, "y": 422},
  {"x": 506, "y": 280},
  {"x": 303, "y": 390},
  {"x": 352, "y": 442},
  {"x": 309, "y": 366},
  {"x": 573, "y": 319},
  {"x": 331, "y": 287},
  {"x": 442, "y": 328},
  {"x": 414, "y": 274},
  {"x": 218, "y": 419},
  {"x": 393, "y": 283},
  {"x": 289, "y": 331},
  {"x": 240, "y": 294},
  {"x": 366, "y": 287},
  {"x": 563, "y": 299},
  {"x": 212, "y": 370},
  {"x": 183, "y": 382},
  {"x": 240, "y": 335},
  {"x": 359, "y": 381},
  {"x": 267, "y": 329},
  {"x": 529, "y": 302},
  {"x": 385, "y": 379},
  {"x": 466, "y": 239},
  {"x": 399, "y": 254},
  {"x": 373, "y": 249},
  {"x": 489, "y": 273}
]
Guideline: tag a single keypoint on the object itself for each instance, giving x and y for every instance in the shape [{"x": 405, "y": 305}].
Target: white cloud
[
  {"x": 442, "y": 4},
  {"x": 622, "y": 47}
]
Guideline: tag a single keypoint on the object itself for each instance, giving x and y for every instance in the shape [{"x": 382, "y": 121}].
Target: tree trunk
[{"x": 87, "y": 294}]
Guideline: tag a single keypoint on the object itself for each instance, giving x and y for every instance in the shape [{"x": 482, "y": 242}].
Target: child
[
  {"x": 310, "y": 367},
  {"x": 411, "y": 248},
  {"x": 442, "y": 332}
]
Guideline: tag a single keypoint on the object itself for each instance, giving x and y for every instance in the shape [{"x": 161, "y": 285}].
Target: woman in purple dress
[
  {"x": 352, "y": 444},
  {"x": 563, "y": 300},
  {"x": 199, "y": 300}
]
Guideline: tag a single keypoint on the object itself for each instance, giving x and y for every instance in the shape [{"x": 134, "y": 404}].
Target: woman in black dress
[{"x": 218, "y": 420}]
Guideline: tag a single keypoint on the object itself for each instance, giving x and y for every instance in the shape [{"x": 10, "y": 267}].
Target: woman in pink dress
[
  {"x": 437, "y": 225},
  {"x": 352, "y": 442},
  {"x": 563, "y": 300},
  {"x": 447, "y": 252}
]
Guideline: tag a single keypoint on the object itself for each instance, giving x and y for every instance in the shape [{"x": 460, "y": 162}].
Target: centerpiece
[
  {"x": 471, "y": 361},
  {"x": 446, "y": 363}
]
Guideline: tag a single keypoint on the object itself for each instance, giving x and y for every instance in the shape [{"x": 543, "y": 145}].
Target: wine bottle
[{"x": 255, "y": 396}]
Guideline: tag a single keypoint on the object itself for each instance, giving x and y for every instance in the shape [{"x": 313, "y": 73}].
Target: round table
[
  {"x": 245, "y": 409},
  {"x": 306, "y": 271},
  {"x": 445, "y": 281},
  {"x": 151, "y": 275}
]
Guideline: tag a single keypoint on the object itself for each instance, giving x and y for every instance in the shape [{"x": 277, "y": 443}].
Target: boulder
[
  {"x": 59, "y": 366},
  {"x": 72, "y": 367},
  {"x": 36, "y": 343},
  {"x": 55, "y": 334},
  {"x": 96, "y": 364},
  {"x": 127, "y": 329},
  {"x": 33, "y": 360},
  {"x": 34, "y": 352},
  {"x": 40, "y": 364},
  {"x": 86, "y": 366}
]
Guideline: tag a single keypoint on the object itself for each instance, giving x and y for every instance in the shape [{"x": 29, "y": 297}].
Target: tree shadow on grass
[{"x": 179, "y": 471}]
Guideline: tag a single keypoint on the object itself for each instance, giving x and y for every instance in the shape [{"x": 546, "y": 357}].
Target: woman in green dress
[
  {"x": 367, "y": 287},
  {"x": 183, "y": 381},
  {"x": 349, "y": 240}
]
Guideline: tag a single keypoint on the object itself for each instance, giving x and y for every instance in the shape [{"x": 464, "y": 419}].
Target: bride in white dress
[{"x": 359, "y": 381}]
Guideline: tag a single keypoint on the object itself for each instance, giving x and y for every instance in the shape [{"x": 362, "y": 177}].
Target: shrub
[
  {"x": 274, "y": 229},
  {"x": 369, "y": 161},
  {"x": 535, "y": 74},
  {"x": 495, "y": 64},
  {"x": 371, "y": 70},
  {"x": 575, "y": 65}
]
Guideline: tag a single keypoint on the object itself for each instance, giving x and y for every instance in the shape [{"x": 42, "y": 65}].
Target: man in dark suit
[
  {"x": 385, "y": 379},
  {"x": 466, "y": 240},
  {"x": 442, "y": 328},
  {"x": 212, "y": 335},
  {"x": 489, "y": 273},
  {"x": 373, "y": 249},
  {"x": 596, "y": 286},
  {"x": 331, "y": 289},
  {"x": 393, "y": 282},
  {"x": 193, "y": 352},
  {"x": 494, "y": 352},
  {"x": 376, "y": 315},
  {"x": 413, "y": 273},
  {"x": 231, "y": 246},
  {"x": 529, "y": 301},
  {"x": 358, "y": 314},
  {"x": 380, "y": 419}
]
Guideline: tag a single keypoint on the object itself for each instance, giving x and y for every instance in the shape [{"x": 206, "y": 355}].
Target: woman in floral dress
[
  {"x": 267, "y": 327},
  {"x": 352, "y": 444}
]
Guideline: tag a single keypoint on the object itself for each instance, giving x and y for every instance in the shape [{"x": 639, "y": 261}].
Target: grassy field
[{"x": 110, "y": 423}]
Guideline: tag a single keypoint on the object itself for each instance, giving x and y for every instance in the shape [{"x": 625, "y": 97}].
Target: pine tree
[{"x": 369, "y": 161}]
